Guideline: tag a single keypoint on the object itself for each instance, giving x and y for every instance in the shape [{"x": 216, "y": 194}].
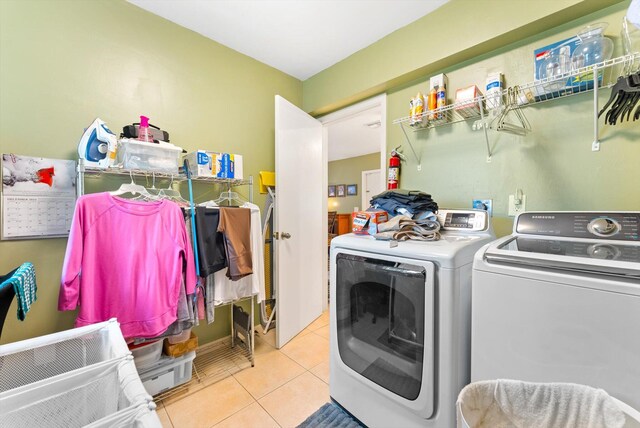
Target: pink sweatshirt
[{"x": 126, "y": 259}]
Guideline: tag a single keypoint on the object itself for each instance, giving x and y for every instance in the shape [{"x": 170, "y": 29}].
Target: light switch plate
[
  {"x": 514, "y": 209},
  {"x": 483, "y": 204}
]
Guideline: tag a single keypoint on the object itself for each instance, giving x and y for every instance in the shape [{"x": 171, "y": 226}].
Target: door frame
[
  {"x": 348, "y": 112},
  {"x": 379, "y": 101},
  {"x": 364, "y": 203}
]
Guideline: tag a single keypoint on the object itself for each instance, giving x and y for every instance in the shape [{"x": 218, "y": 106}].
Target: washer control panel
[
  {"x": 603, "y": 226},
  {"x": 624, "y": 226},
  {"x": 468, "y": 220}
]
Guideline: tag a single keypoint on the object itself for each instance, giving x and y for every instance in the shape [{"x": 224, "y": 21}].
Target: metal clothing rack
[{"x": 84, "y": 171}]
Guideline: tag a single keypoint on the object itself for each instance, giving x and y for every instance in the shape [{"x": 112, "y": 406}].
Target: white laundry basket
[
  {"x": 73, "y": 379},
  {"x": 74, "y": 399},
  {"x": 32, "y": 360},
  {"x": 138, "y": 416},
  {"x": 478, "y": 399}
]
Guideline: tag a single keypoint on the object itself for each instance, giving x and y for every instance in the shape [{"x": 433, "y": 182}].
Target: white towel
[{"x": 517, "y": 404}]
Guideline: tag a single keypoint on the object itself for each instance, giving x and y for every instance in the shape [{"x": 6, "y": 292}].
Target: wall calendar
[{"x": 38, "y": 197}]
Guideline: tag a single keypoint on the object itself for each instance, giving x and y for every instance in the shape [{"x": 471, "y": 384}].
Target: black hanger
[{"x": 625, "y": 94}]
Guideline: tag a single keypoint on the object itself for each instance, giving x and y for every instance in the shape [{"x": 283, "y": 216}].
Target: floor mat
[{"x": 330, "y": 416}]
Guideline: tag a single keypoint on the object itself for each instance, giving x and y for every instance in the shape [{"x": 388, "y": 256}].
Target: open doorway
[
  {"x": 357, "y": 145},
  {"x": 356, "y": 137}
]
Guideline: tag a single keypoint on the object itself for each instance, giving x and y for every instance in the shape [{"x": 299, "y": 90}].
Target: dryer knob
[
  {"x": 604, "y": 252},
  {"x": 603, "y": 226}
]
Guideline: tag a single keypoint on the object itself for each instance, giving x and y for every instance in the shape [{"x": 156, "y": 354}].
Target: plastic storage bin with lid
[
  {"x": 140, "y": 155},
  {"x": 146, "y": 354},
  {"x": 168, "y": 373},
  {"x": 510, "y": 403}
]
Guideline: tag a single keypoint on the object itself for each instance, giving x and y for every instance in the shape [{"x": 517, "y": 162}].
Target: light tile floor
[{"x": 282, "y": 390}]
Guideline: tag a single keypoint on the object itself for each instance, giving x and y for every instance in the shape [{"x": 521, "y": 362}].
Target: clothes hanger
[
  {"x": 153, "y": 191},
  {"x": 623, "y": 86},
  {"x": 521, "y": 128},
  {"x": 625, "y": 94},
  {"x": 230, "y": 196},
  {"x": 171, "y": 193},
  {"x": 132, "y": 188}
]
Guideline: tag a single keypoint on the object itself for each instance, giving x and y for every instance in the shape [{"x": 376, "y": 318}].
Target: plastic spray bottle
[{"x": 143, "y": 130}]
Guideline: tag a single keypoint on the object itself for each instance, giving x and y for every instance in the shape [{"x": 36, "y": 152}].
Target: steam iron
[{"x": 97, "y": 145}]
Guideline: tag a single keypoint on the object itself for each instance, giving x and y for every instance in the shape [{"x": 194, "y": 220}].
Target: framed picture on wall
[
  {"x": 332, "y": 191},
  {"x": 340, "y": 190},
  {"x": 352, "y": 189}
]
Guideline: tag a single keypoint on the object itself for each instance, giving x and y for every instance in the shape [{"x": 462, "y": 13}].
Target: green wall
[
  {"x": 349, "y": 171},
  {"x": 458, "y": 31},
  {"x": 553, "y": 165},
  {"x": 63, "y": 63}
]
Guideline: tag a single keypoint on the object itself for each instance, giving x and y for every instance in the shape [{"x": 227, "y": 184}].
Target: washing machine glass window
[{"x": 381, "y": 321}]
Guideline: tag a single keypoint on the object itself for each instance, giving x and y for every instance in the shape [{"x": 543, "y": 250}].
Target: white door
[
  {"x": 372, "y": 185},
  {"x": 300, "y": 220}
]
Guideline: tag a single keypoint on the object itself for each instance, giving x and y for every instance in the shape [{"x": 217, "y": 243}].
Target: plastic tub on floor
[
  {"x": 147, "y": 354},
  {"x": 168, "y": 373}
]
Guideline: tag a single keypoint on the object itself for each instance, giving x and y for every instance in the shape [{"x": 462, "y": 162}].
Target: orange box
[
  {"x": 366, "y": 222},
  {"x": 181, "y": 348}
]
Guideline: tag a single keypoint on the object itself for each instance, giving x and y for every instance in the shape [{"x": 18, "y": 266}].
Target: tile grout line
[
  {"x": 290, "y": 380},
  {"x": 239, "y": 410},
  {"x": 267, "y": 412},
  {"x": 167, "y": 413},
  {"x": 255, "y": 400}
]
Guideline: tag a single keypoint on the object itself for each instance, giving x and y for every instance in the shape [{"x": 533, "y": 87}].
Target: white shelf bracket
[
  {"x": 595, "y": 146},
  {"x": 484, "y": 128},
  {"x": 411, "y": 146}
]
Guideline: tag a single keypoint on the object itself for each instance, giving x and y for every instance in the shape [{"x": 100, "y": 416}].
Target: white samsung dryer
[
  {"x": 559, "y": 301},
  {"x": 400, "y": 323}
]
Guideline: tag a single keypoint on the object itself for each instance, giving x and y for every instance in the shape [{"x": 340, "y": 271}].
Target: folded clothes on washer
[
  {"x": 406, "y": 202},
  {"x": 393, "y": 224},
  {"x": 402, "y": 228}
]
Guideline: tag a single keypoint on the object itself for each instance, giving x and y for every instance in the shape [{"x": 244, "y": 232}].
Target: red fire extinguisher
[{"x": 394, "y": 171}]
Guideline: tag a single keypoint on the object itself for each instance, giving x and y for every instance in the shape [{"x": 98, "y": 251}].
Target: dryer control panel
[
  {"x": 467, "y": 220},
  {"x": 622, "y": 226}
]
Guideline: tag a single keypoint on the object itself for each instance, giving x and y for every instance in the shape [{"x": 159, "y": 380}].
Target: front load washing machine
[
  {"x": 400, "y": 323},
  {"x": 559, "y": 301}
]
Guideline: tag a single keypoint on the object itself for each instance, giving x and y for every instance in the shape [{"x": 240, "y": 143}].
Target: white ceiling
[
  {"x": 352, "y": 137},
  {"x": 298, "y": 37}
]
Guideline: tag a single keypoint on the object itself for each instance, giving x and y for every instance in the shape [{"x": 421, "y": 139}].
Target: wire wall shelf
[
  {"x": 163, "y": 175},
  {"x": 84, "y": 171},
  {"x": 578, "y": 81},
  {"x": 574, "y": 82},
  {"x": 485, "y": 109}
]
